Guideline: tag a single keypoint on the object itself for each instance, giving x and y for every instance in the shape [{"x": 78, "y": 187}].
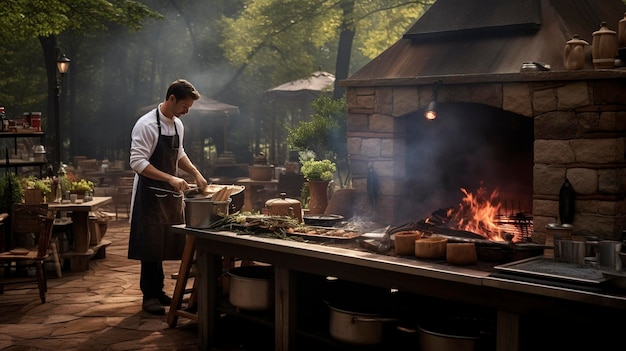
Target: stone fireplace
[{"x": 523, "y": 133}]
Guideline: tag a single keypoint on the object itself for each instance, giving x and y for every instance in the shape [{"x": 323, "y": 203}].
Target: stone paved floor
[{"x": 99, "y": 309}]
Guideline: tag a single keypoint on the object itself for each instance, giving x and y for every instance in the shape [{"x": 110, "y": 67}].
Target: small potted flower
[{"x": 318, "y": 173}]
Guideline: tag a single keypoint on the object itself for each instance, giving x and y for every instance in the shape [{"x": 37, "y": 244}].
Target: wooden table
[
  {"x": 253, "y": 195},
  {"x": 110, "y": 176},
  {"x": 80, "y": 228},
  {"x": 512, "y": 299}
]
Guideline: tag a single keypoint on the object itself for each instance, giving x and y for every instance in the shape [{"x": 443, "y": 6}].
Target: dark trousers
[{"x": 151, "y": 279}]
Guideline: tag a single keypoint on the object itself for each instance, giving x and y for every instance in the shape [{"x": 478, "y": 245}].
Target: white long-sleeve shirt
[{"x": 144, "y": 138}]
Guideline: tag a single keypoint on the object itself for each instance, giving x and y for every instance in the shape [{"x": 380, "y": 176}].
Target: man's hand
[
  {"x": 178, "y": 183},
  {"x": 201, "y": 182}
]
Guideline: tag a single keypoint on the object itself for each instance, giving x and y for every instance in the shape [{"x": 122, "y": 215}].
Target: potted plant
[
  {"x": 81, "y": 186},
  {"x": 318, "y": 173},
  {"x": 36, "y": 190},
  {"x": 318, "y": 170},
  {"x": 326, "y": 135},
  {"x": 260, "y": 170}
]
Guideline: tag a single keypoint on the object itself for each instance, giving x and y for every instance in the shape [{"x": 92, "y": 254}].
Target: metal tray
[
  {"x": 329, "y": 233},
  {"x": 551, "y": 269}
]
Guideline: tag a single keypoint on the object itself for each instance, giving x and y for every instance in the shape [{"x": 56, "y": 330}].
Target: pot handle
[{"x": 373, "y": 319}]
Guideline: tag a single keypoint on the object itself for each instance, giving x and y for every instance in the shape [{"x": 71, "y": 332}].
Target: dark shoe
[
  {"x": 153, "y": 306},
  {"x": 165, "y": 300}
]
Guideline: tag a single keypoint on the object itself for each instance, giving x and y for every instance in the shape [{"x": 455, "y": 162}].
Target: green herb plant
[{"x": 318, "y": 169}]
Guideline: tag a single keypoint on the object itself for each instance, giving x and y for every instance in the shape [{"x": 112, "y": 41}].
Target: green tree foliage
[
  {"x": 124, "y": 53},
  {"x": 287, "y": 39}
]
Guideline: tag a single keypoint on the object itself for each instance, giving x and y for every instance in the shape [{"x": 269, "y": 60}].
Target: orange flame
[{"x": 477, "y": 213}]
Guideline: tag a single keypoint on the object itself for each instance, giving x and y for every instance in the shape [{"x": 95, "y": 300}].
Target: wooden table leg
[
  {"x": 507, "y": 331},
  {"x": 80, "y": 231},
  {"x": 285, "y": 308},
  {"x": 208, "y": 295}
]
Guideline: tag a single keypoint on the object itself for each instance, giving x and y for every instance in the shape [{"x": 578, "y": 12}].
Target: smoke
[{"x": 465, "y": 147}]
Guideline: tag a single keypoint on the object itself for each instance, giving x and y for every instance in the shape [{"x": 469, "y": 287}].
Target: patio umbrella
[
  {"x": 203, "y": 106},
  {"x": 306, "y": 89},
  {"x": 194, "y": 122}
]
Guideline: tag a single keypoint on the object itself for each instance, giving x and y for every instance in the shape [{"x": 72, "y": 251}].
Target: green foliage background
[{"x": 124, "y": 53}]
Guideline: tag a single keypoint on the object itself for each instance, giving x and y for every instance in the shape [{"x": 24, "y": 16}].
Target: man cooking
[{"x": 156, "y": 155}]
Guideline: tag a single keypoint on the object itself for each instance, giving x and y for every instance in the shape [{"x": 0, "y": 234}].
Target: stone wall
[{"x": 579, "y": 133}]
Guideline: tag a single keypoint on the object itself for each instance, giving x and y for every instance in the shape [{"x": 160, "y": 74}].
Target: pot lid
[
  {"x": 604, "y": 29},
  {"x": 282, "y": 201},
  {"x": 577, "y": 41},
  {"x": 211, "y": 189}
]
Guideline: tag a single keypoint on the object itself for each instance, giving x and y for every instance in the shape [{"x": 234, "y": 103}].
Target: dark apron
[{"x": 154, "y": 211}]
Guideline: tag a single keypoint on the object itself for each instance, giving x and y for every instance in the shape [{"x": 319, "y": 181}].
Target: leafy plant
[
  {"x": 318, "y": 170},
  {"x": 10, "y": 192},
  {"x": 325, "y": 134},
  {"x": 32, "y": 182},
  {"x": 81, "y": 185},
  {"x": 72, "y": 182}
]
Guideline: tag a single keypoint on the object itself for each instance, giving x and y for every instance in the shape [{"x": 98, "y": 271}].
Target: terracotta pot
[
  {"x": 318, "y": 191},
  {"x": 341, "y": 203},
  {"x": 460, "y": 254},
  {"x": 284, "y": 206},
  {"x": 405, "y": 242},
  {"x": 261, "y": 172},
  {"x": 431, "y": 248}
]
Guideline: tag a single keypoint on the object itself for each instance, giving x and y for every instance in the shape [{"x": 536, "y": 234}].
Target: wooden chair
[
  {"x": 28, "y": 220},
  {"x": 123, "y": 194}
]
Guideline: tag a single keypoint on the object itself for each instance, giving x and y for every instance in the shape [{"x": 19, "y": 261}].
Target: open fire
[{"x": 484, "y": 213}]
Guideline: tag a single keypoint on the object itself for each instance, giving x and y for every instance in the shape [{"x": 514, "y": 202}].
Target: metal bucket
[{"x": 201, "y": 213}]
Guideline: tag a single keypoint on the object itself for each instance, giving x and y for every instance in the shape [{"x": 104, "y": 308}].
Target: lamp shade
[
  {"x": 431, "y": 111},
  {"x": 63, "y": 64}
]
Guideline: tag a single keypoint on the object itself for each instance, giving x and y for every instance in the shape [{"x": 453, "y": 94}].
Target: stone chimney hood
[{"x": 477, "y": 37}]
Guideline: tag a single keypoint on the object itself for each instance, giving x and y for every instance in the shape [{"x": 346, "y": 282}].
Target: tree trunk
[
  {"x": 346, "y": 37},
  {"x": 48, "y": 44}
]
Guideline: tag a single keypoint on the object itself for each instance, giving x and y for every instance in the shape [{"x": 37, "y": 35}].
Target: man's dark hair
[{"x": 182, "y": 89}]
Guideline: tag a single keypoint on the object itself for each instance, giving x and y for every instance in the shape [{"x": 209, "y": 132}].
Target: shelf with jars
[{"x": 22, "y": 143}]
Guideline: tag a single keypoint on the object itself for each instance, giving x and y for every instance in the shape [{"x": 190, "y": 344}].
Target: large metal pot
[
  {"x": 251, "y": 287},
  {"x": 456, "y": 334},
  {"x": 357, "y": 328},
  {"x": 201, "y": 213}
]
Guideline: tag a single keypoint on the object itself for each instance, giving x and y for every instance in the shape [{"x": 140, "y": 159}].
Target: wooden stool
[
  {"x": 184, "y": 273},
  {"x": 181, "y": 286}
]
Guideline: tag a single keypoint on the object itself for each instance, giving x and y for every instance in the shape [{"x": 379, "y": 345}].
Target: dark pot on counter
[{"x": 322, "y": 220}]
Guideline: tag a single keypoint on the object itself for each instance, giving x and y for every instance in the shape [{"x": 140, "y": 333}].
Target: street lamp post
[{"x": 63, "y": 64}]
